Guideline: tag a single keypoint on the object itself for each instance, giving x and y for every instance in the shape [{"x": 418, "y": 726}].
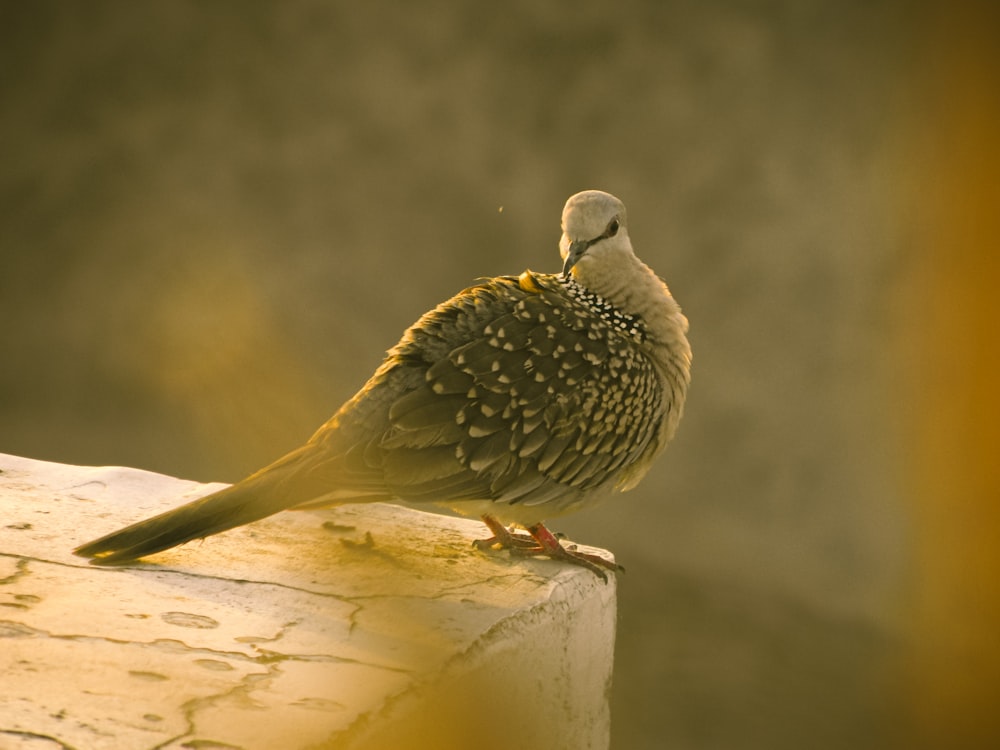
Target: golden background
[{"x": 215, "y": 217}]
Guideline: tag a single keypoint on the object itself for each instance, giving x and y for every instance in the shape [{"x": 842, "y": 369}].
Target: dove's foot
[{"x": 542, "y": 542}]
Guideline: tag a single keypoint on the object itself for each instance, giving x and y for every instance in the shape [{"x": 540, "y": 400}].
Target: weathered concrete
[{"x": 358, "y": 627}]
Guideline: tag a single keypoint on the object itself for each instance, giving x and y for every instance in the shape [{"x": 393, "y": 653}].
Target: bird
[{"x": 520, "y": 399}]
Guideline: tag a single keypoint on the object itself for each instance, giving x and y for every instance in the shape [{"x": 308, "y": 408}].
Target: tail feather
[
  {"x": 303, "y": 477},
  {"x": 233, "y": 506}
]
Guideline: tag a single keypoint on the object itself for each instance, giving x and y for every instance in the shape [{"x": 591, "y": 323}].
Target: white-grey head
[
  {"x": 594, "y": 231},
  {"x": 597, "y": 254}
]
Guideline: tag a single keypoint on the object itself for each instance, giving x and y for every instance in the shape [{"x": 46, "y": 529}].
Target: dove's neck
[{"x": 631, "y": 287}]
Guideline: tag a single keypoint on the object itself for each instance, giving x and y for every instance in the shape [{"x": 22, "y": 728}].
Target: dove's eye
[{"x": 612, "y": 229}]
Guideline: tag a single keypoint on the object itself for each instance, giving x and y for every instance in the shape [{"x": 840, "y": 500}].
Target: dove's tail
[
  {"x": 273, "y": 489},
  {"x": 233, "y": 506}
]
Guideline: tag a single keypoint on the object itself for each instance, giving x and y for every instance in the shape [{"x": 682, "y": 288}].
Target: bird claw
[
  {"x": 504, "y": 538},
  {"x": 539, "y": 541}
]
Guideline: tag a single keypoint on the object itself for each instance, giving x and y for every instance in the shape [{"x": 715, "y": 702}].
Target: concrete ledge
[{"x": 359, "y": 627}]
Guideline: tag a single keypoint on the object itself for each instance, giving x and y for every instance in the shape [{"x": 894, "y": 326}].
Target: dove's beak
[{"x": 576, "y": 251}]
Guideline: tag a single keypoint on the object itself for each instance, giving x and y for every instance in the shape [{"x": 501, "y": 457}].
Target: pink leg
[
  {"x": 543, "y": 542},
  {"x": 504, "y": 538}
]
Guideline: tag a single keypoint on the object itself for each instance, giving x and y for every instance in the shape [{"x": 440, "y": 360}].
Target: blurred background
[{"x": 215, "y": 217}]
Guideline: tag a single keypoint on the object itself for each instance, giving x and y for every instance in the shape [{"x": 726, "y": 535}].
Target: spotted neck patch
[{"x": 630, "y": 324}]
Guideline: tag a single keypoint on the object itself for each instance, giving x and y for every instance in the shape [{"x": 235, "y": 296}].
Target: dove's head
[
  {"x": 597, "y": 255},
  {"x": 594, "y": 235}
]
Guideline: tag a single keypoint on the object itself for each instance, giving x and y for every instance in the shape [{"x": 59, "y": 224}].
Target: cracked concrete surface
[{"x": 358, "y": 627}]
